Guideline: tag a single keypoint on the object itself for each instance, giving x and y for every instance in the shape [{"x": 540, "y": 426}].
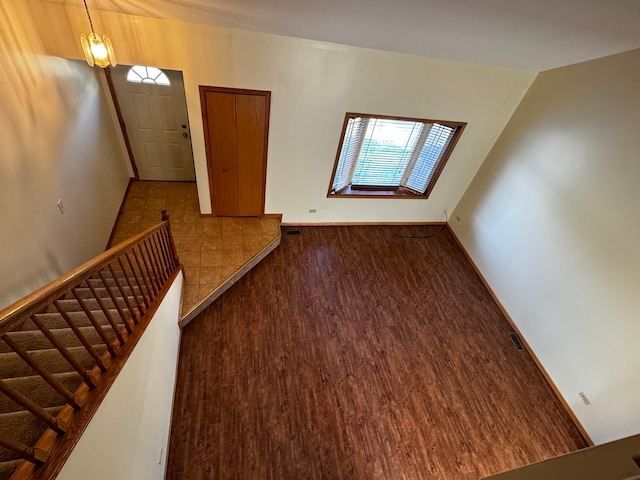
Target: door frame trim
[
  {"x": 108, "y": 72},
  {"x": 203, "y": 106},
  {"x": 123, "y": 128}
]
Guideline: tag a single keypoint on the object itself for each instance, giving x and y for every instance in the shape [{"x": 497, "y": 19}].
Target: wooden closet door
[
  {"x": 222, "y": 154},
  {"x": 251, "y": 142},
  {"x": 236, "y": 132}
]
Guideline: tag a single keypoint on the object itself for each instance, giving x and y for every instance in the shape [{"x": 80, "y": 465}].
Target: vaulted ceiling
[{"x": 535, "y": 35}]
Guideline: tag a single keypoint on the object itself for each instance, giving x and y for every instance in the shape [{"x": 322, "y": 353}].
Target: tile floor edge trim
[{"x": 198, "y": 308}]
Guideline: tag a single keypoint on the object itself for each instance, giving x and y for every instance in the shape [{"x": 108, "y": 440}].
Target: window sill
[{"x": 400, "y": 192}]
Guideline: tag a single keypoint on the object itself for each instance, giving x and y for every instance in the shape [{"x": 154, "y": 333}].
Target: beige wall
[
  {"x": 313, "y": 84},
  {"x": 57, "y": 141},
  {"x": 128, "y": 436},
  {"x": 552, "y": 221},
  {"x": 611, "y": 461},
  {"x": 550, "y": 218}
]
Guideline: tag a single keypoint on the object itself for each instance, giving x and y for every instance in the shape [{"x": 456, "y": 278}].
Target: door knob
[{"x": 185, "y": 134}]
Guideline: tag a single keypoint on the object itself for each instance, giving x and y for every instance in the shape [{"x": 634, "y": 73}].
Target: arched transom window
[{"x": 152, "y": 75}]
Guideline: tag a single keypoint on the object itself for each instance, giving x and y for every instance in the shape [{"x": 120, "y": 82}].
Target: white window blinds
[
  {"x": 430, "y": 155},
  {"x": 391, "y": 153},
  {"x": 386, "y": 150},
  {"x": 349, "y": 152}
]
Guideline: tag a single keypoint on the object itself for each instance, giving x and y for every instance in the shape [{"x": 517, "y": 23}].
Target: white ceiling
[{"x": 530, "y": 34}]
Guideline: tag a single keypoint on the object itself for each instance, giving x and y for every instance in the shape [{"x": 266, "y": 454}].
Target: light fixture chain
[{"x": 89, "y": 16}]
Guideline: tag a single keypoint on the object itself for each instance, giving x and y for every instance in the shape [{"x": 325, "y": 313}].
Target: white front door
[{"x": 155, "y": 117}]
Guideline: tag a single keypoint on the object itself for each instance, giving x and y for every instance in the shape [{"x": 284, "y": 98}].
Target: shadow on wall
[
  {"x": 57, "y": 142},
  {"x": 39, "y": 93}
]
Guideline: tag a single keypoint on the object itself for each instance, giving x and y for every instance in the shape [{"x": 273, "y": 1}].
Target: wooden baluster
[
  {"x": 157, "y": 254},
  {"x": 32, "y": 407},
  {"x": 174, "y": 250},
  {"x": 140, "y": 307},
  {"x": 47, "y": 376},
  {"x": 125, "y": 297},
  {"x": 170, "y": 253},
  {"x": 148, "y": 269},
  {"x": 166, "y": 258},
  {"x": 83, "y": 339},
  {"x": 112, "y": 351},
  {"x": 156, "y": 276},
  {"x": 145, "y": 296},
  {"x": 105, "y": 310},
  {"x": 156, "y": 260},
  {"x": 24, "y": 451},
  {"x": 73, "y": 361},
  {"x": 123, "y": 316},
  {"x": 166, "y": 243}
]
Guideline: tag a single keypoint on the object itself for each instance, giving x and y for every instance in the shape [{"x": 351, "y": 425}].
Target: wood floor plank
[{"x": 358, "y": 353}]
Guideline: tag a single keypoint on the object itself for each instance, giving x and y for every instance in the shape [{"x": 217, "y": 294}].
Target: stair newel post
[
  {"x": 140, "y": 308},
  {"x": 125, "y": 297},
  {"x": 44, "y": 373},
  {"x": 156, "y": 276},
  {"x": 145, "y": 296},
  {"x": 114, "y": 299},
  {"x": 95, "y": 323},
  {"x": 73, "y": 361},
  {"x": 32, "y": 454},
  {"x": 107, "y": 315},
  {"x": 32, "y": 407},
  {"x": 86, "y": 343}
]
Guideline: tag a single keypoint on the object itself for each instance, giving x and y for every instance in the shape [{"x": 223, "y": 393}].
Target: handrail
[
  {"x": 27, "y": 306},
  {"x": 103, "y": 305}
]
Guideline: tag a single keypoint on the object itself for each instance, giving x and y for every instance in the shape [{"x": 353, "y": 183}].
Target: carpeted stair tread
[
  {"x": 111, "y": 282},
  {"x": 56, "y": 321},
  {"x": 24, "y": 427},
  {"x": 72, "y": 305},
  {"x": 119, "y": 274},
  {"x": 7, "y": 468},
  {"x": 12, "y": 366},
  {"x": 38, "y": 390},
  {"x": 35, "y": 339},
  {"x": 86, "y": 293},
  {"x": 19, "y": 376}
]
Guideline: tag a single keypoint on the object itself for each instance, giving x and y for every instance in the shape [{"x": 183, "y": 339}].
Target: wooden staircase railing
[{"x": 88, "y": 321}]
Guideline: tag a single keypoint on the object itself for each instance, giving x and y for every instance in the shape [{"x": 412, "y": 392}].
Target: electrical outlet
[
  {"x": 60, "y": 206},
  {"x": 584, "y": 398}
]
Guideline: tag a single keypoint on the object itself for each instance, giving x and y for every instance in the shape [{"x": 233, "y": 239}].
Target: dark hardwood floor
[{"x": 355, "y": 353}]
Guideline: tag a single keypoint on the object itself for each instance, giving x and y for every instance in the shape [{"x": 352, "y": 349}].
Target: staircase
[{"x": 62, "y": 347}]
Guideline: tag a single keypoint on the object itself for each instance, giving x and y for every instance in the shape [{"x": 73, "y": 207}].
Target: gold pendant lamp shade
[{"x": 97, "y": 50}]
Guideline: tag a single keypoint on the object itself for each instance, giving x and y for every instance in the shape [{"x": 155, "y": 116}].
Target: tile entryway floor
[{"x": 212, "y": 249}]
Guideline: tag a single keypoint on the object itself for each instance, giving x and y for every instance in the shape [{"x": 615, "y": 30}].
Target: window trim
[
  {"x": 153, "y": 81},
  {"x": 399, "y": 191}
]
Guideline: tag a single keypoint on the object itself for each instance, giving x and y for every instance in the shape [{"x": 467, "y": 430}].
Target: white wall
[
  {"x": 552, "y": 221},
  {"x": 610, "y": 461},
  {"x": 313, "y": 85},
  {"x": 57, "y": 141},
  {"x": 128, "y": 436}
]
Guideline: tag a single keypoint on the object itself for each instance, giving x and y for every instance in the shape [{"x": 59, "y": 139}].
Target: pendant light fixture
[{"x": 97, "y": 50}]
